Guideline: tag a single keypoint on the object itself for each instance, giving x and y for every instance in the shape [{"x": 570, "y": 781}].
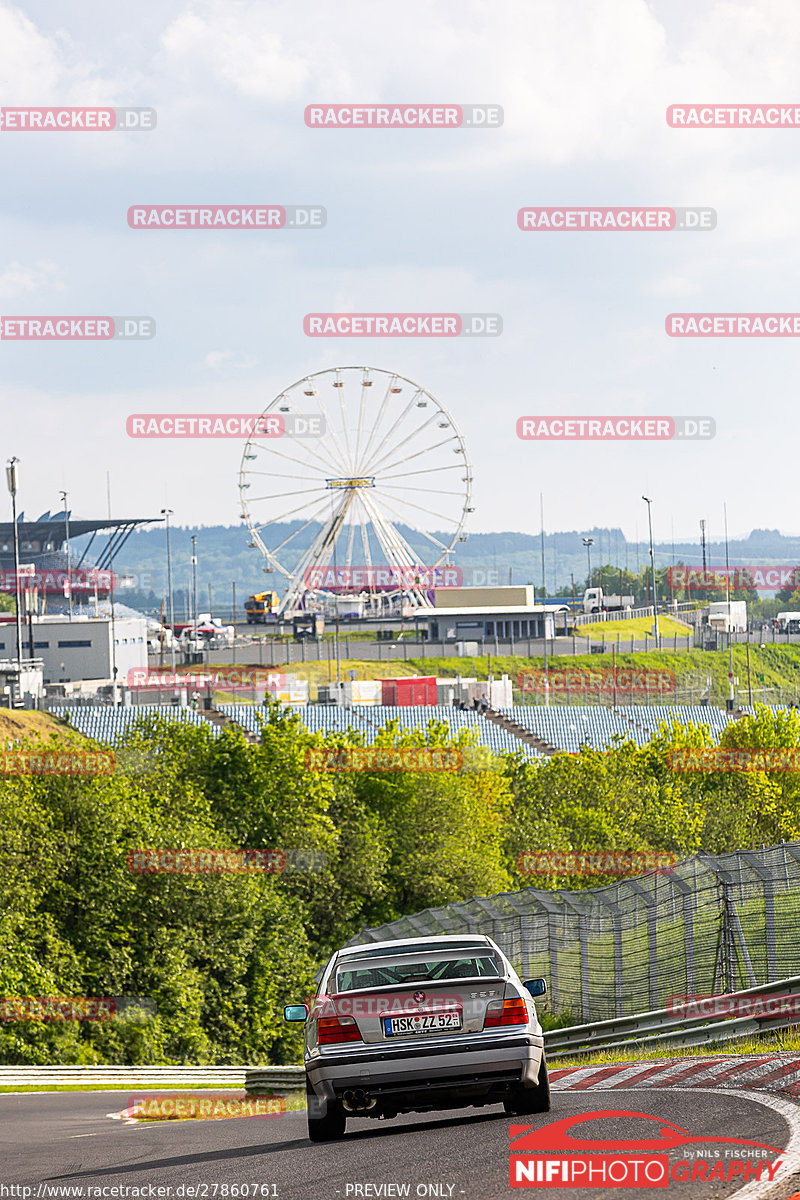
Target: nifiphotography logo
[{"x": 552, "y": 1157}]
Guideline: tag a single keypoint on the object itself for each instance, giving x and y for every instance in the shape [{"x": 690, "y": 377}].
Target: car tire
[
  {"x": 326, "y": 1120},
  {"x": 524, "y": 1101}
]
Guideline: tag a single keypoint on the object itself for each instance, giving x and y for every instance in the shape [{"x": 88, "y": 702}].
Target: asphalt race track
[{"x": 67, "y": 1143}]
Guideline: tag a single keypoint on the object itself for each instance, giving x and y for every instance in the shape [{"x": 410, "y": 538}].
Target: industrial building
[
  {"x": 83, "y": 648},
  {"x": 481, "y": 614}
]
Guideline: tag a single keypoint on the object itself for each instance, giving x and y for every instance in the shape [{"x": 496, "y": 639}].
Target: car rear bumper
[{"x": 392, "y": 1071}]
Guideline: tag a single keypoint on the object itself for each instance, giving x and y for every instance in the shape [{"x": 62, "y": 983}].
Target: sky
[{"x": 417, "y": 221}]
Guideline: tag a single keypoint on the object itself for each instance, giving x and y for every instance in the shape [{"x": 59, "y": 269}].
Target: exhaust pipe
[{"x": 357, "y": 1100}]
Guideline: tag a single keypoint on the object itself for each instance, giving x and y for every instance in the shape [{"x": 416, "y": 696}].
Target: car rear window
[{"x": 417, "y": 970}]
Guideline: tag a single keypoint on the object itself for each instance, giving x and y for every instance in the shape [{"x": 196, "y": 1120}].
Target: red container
[{"x": 419, "y": 689}]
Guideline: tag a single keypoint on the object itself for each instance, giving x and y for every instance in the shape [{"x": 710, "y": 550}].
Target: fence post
[
  {"x": 652, "y": 934},
  {"x": 730, "y": 931},
  {"x": 687, "y": 895},
  {"x": 616, "y": 927},
  {"x": 583, "y": 938},
  {"x": 769, "y": 910},
  {"x": 552, "y": 949}
]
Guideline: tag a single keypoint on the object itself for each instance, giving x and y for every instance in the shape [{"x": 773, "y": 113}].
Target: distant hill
[{"x": 495, "y": 558}]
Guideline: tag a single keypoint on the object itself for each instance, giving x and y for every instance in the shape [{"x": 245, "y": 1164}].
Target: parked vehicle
[
  {"x": 727, "y": 616},
  {"x": 596, "y": 600},
  {"x": 208, "y": 633},
  {"x": 788, "y": 622},
  {"x": 420, "y": 1026},
  {"x": 261, "y": 607},
  {"x": 307, "y": 626}
]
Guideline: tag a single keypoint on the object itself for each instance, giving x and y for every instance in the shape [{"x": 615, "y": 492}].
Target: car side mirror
[
  {"x": 536, "y": 987},
  {"x": 295, "y": 1012}
]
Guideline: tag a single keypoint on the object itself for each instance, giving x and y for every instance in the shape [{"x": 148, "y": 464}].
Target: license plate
[{"x": 421, "y": 1023}]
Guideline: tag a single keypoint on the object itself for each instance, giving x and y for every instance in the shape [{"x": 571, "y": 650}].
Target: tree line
[{"x": 214, "y": 956}]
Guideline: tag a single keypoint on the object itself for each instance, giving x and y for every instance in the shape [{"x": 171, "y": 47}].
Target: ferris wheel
[{"x": 369, "y": 496}]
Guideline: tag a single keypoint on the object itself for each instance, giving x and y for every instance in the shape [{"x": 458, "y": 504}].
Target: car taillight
[
  {"x": 332, "y": 1030},
  {"x": 505, "y": 1012}
]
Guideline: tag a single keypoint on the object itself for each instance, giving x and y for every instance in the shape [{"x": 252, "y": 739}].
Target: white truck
[
  {"x": 727, "y": 616},
  {"x": 595, "y": 600},
  {"x": 788, "y": 622}
]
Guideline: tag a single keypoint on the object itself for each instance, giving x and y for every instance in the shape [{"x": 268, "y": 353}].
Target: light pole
[
  {"x": 63, "y": 496},
  {"x": 11, "y": 480},
  {"x": 194, "y": 587},
  {"x": 544, "y": 613},
  {"x": 648, "y": 502},
  {"x": 732, "y": 697},
  {"x": 588, "y": 543},
  {"x": 703, "y": 544},
  {"x": 167, "y": 512}
]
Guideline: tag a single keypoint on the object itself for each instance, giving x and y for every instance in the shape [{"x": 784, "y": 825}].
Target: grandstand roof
[
  {"x": 47, "y": 535},
  {"x": 53, "y": 526}
]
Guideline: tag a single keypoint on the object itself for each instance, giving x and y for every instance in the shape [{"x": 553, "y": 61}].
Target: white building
[
  {"x": 483, "y": 614},
  {"x": 81, "y": 648}
]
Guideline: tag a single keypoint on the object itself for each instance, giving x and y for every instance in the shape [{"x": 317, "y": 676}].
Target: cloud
[
  {"x": 29, "y": 62},
  {"x": 237, "y": 45},
  {"x": 215, "y": 360},
  {"x": 18, "y": 280}
]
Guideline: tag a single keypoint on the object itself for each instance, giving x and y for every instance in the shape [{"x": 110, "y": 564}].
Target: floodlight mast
[{"x": 11, "y": 480}]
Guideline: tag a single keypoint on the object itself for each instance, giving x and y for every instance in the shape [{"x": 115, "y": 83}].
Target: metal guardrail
[
  {"x": 124, "y": 1077},
  {"x": 274, "y": 1079},
  {"x": 253, "y": 1079},
  {"x": 619, "y": 614},
  {"x": 654, "y": 1029},
  {"x": 662, "y": 1027}
]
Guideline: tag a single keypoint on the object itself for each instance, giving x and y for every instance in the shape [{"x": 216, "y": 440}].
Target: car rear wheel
[
  {"x": 326, "y": 1120},
  {"x": 524, "y": 1101}
]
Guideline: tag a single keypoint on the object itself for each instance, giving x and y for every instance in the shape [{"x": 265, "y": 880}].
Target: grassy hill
[{"x": 698, "y": 674}]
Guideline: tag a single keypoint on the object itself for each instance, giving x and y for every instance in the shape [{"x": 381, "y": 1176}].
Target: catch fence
[{"x": 708, "y": 925}]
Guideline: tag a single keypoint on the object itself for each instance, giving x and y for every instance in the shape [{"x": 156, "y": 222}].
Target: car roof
[{"x": 453, "y": 940}]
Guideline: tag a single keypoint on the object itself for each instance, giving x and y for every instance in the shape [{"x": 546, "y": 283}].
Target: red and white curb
[{"x": 763, "y": 1073}]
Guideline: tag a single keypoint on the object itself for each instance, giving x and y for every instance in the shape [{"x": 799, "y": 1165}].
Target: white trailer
[
  {"x": 596, "y": 600},
  {"x": 728, "y": 616}
]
